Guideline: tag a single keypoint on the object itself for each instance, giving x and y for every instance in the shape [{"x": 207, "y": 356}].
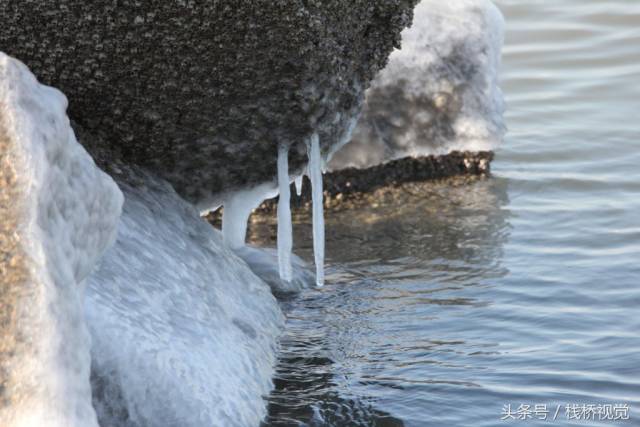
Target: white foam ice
[
  {"x": 66, "y": 211},
  {"x": 439, "y": 92},
  {"x": 285, "y": 227},
  {"x": 315, "y": 174},
  {"x": 184, "y": 334}
]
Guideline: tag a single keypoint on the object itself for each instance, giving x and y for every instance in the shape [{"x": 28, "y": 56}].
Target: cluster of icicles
[{"x": 238, "y": 207}]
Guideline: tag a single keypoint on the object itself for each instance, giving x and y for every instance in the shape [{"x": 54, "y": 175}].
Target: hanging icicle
[
  {"x": 285, "y": 228},
  {"x": 298, "y": 182},
  {"x": 237, "y": 209},
  {"x": 315, "y": 173}
]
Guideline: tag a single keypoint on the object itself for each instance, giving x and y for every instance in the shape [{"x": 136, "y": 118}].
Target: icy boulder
[
  {"x": 58, "y": 213},
  {"x": 204, "y": 92},
  {"x": 184, "y": 334},
  {"x": 439, "y": 93}
]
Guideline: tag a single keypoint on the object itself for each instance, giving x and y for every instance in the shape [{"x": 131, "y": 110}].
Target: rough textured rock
[
  {"x": 409, "y": 169},
  {"x": 438, "y": 94},
  {"x": 202, "y": 91},
  {"x": 348, "y": 183},
  {"x": 58, "y": 213}
]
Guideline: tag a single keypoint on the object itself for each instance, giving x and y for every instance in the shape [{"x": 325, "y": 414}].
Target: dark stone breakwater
[{"x": 354, "y": 183}]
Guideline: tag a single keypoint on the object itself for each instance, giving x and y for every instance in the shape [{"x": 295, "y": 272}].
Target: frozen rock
[
  {"x": 202, "y": 93},
  {"x": 184, "y": 334},
  {"x": 439, "y": 93},
  {"x": 58, "y": 213}
]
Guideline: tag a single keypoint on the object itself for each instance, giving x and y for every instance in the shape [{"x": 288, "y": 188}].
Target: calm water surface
[{"x": 446, "y": 303}]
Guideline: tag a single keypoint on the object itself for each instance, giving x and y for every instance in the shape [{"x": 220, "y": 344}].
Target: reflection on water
[
  {"x": 387, "y": 329},
  {"x": 446, "y": 303}
]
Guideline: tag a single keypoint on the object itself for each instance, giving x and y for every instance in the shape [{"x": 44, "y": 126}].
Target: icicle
[
  {"x": 315, "y": 173},
  {"x": 285, "y": 229},
  {"x": 298, "y": 182},
  {"x": 234, "y": 221},
  {"x": 237, "y": 209}
]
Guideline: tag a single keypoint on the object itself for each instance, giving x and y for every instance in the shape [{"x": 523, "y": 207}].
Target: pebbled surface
[{"x": 201, "y": 92}]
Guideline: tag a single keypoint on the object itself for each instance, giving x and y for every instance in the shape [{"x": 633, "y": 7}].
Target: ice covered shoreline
[
  {"x": 121, "y": 305},
  {"x": 59, "y": 215}
]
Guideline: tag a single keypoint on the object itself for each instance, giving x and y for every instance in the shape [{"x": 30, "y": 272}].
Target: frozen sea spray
[
  {"x": 438, "y": 93},
  {"x": 237, "y": 210},
  {"x": 184, "y": 334},
  {"x": 58, "y": 213}
]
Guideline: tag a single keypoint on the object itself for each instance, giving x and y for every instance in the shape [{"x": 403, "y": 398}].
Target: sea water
[{"x": 450, "y": 304}]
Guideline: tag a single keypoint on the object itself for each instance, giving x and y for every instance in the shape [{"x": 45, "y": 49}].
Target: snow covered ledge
[{"x": 58, "y": 214}]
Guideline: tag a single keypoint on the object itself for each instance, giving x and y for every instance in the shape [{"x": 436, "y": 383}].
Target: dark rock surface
[
  {"x": 354, "y": 183},
  {"x": 202, "y": 91},
  {"x": 408, "y": 169}
]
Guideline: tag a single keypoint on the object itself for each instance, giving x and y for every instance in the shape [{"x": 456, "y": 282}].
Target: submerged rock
[
  {"x": 349, "y": 183},
  {"x": 439, "y": 93},
  {"x": 409, "y": 169},
  {"x": 58, "y": 213},
  {"x": 201, "y": 93}
]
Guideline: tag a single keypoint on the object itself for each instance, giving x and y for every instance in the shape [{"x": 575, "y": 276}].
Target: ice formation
[
  {"x": 438, "y": 93},
  {"x": 315, "y": 174},
  {"x": 237, "y": 209},
  {"x": 184, "y": 334},
  {"x": 264, "y": 263},
  {"x": 298, "y": 182},
  {"x": 59, "y": 213},
  {"x": 343, "y": 139},
  {"x": 285, "y": 228}
]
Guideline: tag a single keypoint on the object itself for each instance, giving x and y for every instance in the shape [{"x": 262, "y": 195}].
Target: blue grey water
[{"x": 445, "y": 304}]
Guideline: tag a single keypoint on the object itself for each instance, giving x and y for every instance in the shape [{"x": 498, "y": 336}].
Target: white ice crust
[
  {"x": 184, "y": 334},
  {"x": 237, "y": 210},
  {"x": 69, "y": 213},
  {"x": 440, "y": 92}
]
